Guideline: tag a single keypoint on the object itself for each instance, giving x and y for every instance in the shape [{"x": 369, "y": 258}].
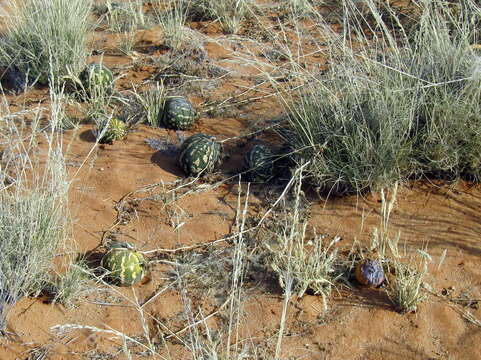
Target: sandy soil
[{"x": 122, "y": 192}]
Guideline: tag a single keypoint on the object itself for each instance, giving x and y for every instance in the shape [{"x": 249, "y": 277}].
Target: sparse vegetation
[{"x": 260, "y": 258}]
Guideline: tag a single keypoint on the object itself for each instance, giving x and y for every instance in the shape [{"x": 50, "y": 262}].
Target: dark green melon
[
  {"x": 125, "y": 266},
  {"x": 97, "y": 78},
  {"x": 259, "y": 162},
  {"x": 117, "y": 130},
  {"x": 178, "y": 114},
  {"x": 199, "y": 155}
]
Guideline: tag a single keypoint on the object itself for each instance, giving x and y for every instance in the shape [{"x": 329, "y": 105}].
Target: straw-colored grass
[
  {"x": 396, "y": 102},
  {"x": 45, "y": 38}
]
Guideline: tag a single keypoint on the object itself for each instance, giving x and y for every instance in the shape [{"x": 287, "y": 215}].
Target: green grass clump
[
  {"x": 46, "y": 38},
  {"x": 150, "y": 103},
  {"x": 399, "y": 104}
]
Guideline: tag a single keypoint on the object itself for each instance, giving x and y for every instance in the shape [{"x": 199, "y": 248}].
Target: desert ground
[{"x": 211, "y": 291}]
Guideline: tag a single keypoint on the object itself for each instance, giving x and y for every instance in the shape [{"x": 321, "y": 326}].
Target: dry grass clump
[
  {"x": 311, "y": 264},
  {"x": 394, "y": 103},
  {"x": 230, "y": 13},
  {"x": 307, "y": 265},
  {"x": 122, "y": 17},
  {"x": 407, "y": 289},
  {"x": 34, "y": 219},
  {"x": 45, "y": 38},
  {"x": 406, "y": 271},
  {"x": 173, "y": 16},
  {"x": 70, "y": 287}
]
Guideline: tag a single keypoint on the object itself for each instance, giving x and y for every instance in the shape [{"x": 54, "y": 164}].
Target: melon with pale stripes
[
  {"x": 259, "y": 162},
  {"x": 124, "y": 264},
  {"x": 117, "y": 129},
  {"x": 97, "y": 78},
  {"x": 199, "y": 154},
  {"x": 178, "y": 114}
]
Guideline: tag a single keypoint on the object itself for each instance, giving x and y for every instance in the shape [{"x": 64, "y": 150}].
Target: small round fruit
[
  {"x": 178, "y": 114},
  {"x": 369, "y": 272},
  {"x": 117, "y": 130},
  {"x": 259, "y": 163},
  {"x": 125, "y": 265},
  {"x": 97, "y": 78},
  {"x": 199, "y": 155}
]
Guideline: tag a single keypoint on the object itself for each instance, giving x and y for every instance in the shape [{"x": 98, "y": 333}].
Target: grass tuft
[
  {"x": 230, "y": 13},
  {"x": 45, "y": 38},
  {"x": 394, "y": 104},
  {"x": 69, "y": 288},
  {"x": 407, "y": 289},
  {"x": 309, "y": 266},
  {"x": 151, "y": 103},
  {"x": 172, "y": 18},
  {"x": 34, "y": 220}
]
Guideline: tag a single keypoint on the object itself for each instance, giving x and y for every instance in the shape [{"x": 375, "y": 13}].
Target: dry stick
[
  {"x": 153, "y": 297},
  {"x": 117, "y": 222},
  {"x": 143, "y": 323},
  {"x": 199, "y": 321},
  {"x": 70, "y": 327},
  {"x": 253, "y": 88},
  {"x": 134, "y": 305},
  {"x": 184, "y": 248},
  {"x": 468, "y": 316},
  {"x": 266, "y": 214},
  {"x": 255, "y": 98}
]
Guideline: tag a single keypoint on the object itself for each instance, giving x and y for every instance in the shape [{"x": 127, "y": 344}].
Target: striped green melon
[
  {"x": 259, "y": 163},
  {"x": 199, "y": 154},
  {"x": 125, "y": 266},
  {"x": 97, "y": 78},
  {"x": 117, "y": 130},
  {"x": 178, "y": 114}
]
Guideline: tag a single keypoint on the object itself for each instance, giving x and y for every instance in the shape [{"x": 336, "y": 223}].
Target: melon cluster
[
  {"x": 124, "y": 265},
  {"x": 201, "y": 153}
]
